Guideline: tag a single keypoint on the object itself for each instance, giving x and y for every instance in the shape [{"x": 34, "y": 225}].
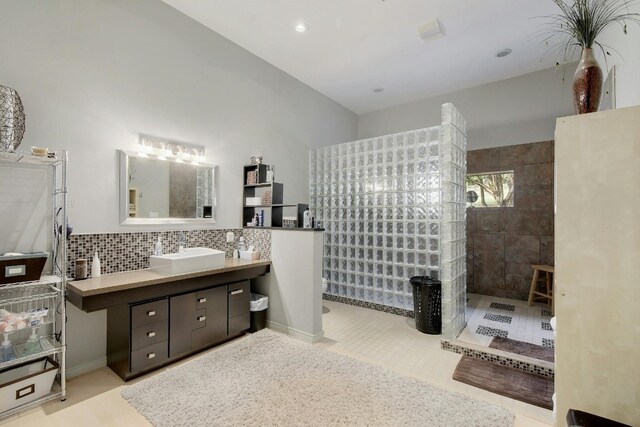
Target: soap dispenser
[{"x": 6, "y": 349}]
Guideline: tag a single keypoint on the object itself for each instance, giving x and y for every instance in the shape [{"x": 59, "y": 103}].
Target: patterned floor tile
[
  {"x": 500, "y": 306},
  {"x": 491, "y": 332},
  {"x": 498, "y": 318}
]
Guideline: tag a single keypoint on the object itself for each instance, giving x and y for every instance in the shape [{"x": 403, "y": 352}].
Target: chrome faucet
[{"x": 182, "y": 242}]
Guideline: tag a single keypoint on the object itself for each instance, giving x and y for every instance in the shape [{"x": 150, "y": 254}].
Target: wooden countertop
[{"x": 109, "y": 283}]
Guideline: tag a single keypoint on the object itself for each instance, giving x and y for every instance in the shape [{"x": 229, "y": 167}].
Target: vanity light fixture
[{"x": 164, "y": 149}]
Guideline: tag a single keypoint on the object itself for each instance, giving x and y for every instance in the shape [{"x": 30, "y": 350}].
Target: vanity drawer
[
  {"x": 238, "y": 324},
  {"x": 149, "y": 334},
  {"x": 149, "y": 356},
  {"x": 151, "y": 312},
  {"x": 239, "y": 298}
]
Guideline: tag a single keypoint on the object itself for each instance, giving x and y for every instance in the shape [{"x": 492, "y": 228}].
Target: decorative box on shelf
[{"x": 289, "y": 222}]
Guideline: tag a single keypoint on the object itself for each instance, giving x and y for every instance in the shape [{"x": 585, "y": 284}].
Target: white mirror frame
[{"x": 124, "y": 202}]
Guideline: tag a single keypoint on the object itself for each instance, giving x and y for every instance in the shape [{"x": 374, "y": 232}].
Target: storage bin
[
  {"x": 24, "y": 383},
  {"x": 258, "y": 306},
  {"x": 22, "y": 268},
  {"x": 427, "y": 299}
]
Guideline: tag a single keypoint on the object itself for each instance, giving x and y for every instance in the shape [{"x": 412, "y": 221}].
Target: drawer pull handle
[
  {"x": 202, "y": 318},
  {"x": 201, "y": 300},
  {"x": 237, "y": 292},
  {"x": 151, "y": 355},
  {"x": 151, "y": 334},
  {"x": 151, "y": 313}
]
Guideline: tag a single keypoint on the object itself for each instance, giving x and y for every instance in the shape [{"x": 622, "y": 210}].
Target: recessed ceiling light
[
  {"x": 301, "y": 27},
  {"x": 378, "y": 89},
  {"x": 502, "y": 53}
]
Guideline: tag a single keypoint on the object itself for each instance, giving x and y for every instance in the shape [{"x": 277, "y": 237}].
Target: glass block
[
  {"x": 411, "y": 257},
  {"x": 411, "y": 229},
  {"x": 389, "y": 299},
  {"x": 388, "y": 285},
  {"x": 422, "y": 258},
  {"x": 434, "y": 260},
  {"x": 421, "y": 243},
  {"x": 388, "y": 270},
  {"x": 379, "y": 297}
]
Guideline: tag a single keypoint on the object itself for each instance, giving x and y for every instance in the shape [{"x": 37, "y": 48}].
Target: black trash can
[
  {"x": 426, "y": 304},
  {"x": 259, "y": 304}
]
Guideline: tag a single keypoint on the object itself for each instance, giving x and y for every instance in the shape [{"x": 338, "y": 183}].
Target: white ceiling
[{"x": 354, "y": 46}]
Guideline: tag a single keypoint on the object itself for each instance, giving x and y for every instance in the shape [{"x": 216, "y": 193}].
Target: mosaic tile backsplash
[{"x": 130, "y": 251}]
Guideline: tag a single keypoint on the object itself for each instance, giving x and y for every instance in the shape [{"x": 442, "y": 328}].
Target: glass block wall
[
  {"x": 390, "y": 213},
  {"x": 453, "y": 167}
]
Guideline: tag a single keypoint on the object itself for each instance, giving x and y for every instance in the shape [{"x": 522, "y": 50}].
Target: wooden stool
[{"x": 534, "y": 293}]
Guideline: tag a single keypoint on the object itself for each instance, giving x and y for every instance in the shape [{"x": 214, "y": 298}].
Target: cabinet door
[
  {"x": 182, "y": 321},
  {"x": 239, "y": 304},
  {"x": 214, "y": 304}
]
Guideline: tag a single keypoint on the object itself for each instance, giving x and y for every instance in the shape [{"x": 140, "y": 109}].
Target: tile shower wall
[
  {"x": 502, "y": 243},
  {"x": 386, "y": 204},
  {"x": 130, "y": 251}
]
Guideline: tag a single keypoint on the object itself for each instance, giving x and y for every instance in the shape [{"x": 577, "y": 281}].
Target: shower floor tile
[{"x": 488, "y": 317}]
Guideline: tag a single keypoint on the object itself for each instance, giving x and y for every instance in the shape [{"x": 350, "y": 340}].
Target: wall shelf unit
[
  {"x": 274, "y": 211},
  {"x": 43, "y": 300}
]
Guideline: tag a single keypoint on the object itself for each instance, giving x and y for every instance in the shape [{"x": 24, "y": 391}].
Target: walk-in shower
[{"x": 393, "y": 207}]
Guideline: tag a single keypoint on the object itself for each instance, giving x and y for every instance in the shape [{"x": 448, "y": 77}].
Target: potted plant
[{"x": 579, "y": 24}]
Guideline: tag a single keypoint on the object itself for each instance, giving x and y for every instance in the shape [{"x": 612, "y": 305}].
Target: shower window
[{"x": 490, "y": 190}]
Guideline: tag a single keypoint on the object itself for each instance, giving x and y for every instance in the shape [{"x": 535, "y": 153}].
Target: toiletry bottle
[
  {"x": 6, "y": 350},
  {"x": 306, "y": 219},
  {"x": 241, "y": 246},
  {"x": 95, "y": 266},
  {"x": 261, "y": 217},
  {"x": 269, "y": 174},
  {"x": 158, "y": 248}
]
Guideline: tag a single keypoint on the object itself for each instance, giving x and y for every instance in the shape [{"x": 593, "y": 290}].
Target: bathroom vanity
[{"x": 154, "y": 319}]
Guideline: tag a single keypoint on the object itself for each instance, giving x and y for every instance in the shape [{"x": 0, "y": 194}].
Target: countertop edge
[{"x": 158, "y": 279}]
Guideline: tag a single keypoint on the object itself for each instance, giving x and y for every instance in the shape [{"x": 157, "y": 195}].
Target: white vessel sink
[{"x": 192, "y": 259}]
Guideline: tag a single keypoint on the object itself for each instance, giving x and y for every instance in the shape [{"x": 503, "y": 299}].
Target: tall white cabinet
[{"x": 597, "y": 265}]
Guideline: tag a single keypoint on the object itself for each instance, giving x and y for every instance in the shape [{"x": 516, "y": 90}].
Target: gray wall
[
  {"x": 513, "y": 111},
  {"x": 502, "y": 243},
  {"x": 93, "y": 74}
]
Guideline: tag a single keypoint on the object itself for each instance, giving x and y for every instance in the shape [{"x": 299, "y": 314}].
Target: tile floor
[
  {"x": 488, "y": 317},
  {"x": 374, "y": 337}
]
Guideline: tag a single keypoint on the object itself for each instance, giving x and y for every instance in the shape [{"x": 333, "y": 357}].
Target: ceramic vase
[
  {"x": 587, "y": 84},
  {"x": 11, "y": 119}
]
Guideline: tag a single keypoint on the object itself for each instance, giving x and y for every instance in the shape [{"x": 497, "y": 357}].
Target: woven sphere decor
[{"x": 11, "y": 119}]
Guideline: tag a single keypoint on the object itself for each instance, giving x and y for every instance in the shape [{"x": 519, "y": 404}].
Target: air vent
[{"x": 430, "y": 30}]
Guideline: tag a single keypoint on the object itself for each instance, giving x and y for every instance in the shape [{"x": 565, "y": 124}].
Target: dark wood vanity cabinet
[
  {"x": 202, "y": 320},
  {"x": 146, "y": 335}
]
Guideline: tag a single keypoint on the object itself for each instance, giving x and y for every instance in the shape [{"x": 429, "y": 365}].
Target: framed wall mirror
[{"x": 163, "y": 190}]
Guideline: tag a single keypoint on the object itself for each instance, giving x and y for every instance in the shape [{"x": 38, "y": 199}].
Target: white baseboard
[
  {"x": 74, "y": 371},
  {"x": 295, "y": 333}
]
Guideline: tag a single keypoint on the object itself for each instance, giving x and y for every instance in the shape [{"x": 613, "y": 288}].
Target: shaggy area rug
[{"x": 269, "y": 379}]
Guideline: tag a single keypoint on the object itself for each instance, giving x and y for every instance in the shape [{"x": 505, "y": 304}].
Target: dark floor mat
[
  {"x": 523, "y": 348},
  {"x": 505, "y": 381}
]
